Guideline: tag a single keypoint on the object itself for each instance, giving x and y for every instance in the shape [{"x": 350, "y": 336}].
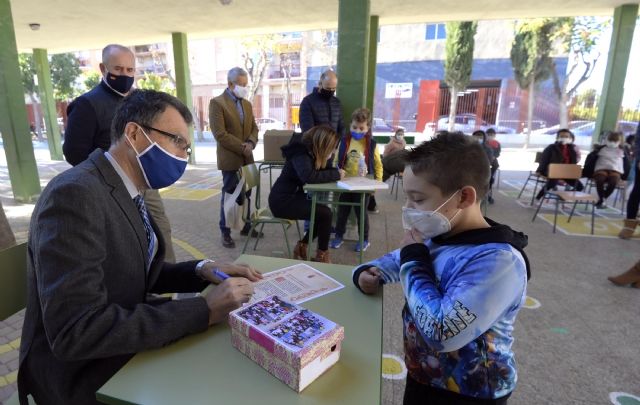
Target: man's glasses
[{"x": 179, "y": 141}]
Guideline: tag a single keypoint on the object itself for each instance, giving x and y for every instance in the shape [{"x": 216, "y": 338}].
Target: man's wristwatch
[{"x": 200, "y": 266}]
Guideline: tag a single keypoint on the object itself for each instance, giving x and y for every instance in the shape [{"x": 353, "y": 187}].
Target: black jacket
[
  {"x": 89, "y": 123},
  {"x": 298, "y": 170},
  {"x": 553, "y": 154},
  {"x": 316, "y": 109}
]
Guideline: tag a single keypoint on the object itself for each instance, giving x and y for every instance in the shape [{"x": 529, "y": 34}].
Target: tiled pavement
[{"x": 579, "y": 346}]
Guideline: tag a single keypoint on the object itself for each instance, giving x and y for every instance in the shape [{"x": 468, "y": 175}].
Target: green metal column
[
  {"x": 183, "y": 79},
  {"x": 373, "y": 56},
  {"x": 45, "y": 87},
  {"x": 624, "y": 22},
  {"x": 14, "y": 124},
  {"x": 353, "y": 53}
]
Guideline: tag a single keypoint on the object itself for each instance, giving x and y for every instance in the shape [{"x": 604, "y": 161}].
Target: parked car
[
  {"x": 265, "y": 124},
  {"x": 586, "y": 128},
  {"x": 466, "y": 123},
  {"x": 380, "y": 125}
]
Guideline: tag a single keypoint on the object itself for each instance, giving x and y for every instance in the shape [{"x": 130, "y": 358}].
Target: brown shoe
[
  {"x": 629, "y": 228},
  {"x": 631, "y": 276},
  {"x": 322, "y": 256},
  {"x": 300, "y": 251}
]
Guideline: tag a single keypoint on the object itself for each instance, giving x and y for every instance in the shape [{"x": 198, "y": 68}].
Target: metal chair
[
  {"x": 559, "y": 171},
  {"x": 13, "y": 280},
  {"x": 537, "y": 179},
  {"x": 262, "y": 216},
  {"x": 620, "y": 193},
  {"x": 395, "y": 183}
]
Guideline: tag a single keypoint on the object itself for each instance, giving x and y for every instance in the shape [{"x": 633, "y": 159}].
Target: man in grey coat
[{"x": 94, "y": 254}]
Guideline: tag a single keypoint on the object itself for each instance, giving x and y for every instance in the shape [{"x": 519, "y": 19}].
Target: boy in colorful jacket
[
  {"x": 464, "y": 279},
  {"x": 358, "y": 143}
]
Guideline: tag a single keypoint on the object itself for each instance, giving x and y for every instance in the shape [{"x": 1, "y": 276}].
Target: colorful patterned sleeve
[
  {"x": 389, "y": 266},
  {"x": 474, "y": 292}
]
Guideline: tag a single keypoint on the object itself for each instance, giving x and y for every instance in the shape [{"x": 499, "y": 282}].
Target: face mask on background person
[
  {"x": 357, "y": 135},
  {"x": 121, "y": 84},
  {"x": 613, "y": 144},
  {"x": 564, "y": 141},
  {"x": 159, "y": 167},
  {"x": 326, "y": 92},
  {"x": 429, "y": 223},
  {"x": 240, "y": 92}
]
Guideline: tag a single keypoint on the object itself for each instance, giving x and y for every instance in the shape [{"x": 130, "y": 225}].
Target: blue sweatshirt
[{"x": 462, "y": 297}]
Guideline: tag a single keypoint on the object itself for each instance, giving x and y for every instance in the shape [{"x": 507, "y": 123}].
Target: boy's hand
[
  {"x": 411, "y": 237},
  {"x": 369, "y": 280}
]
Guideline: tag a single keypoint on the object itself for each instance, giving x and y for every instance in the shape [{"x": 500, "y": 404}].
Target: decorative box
[{"x": 292, "y": 343}]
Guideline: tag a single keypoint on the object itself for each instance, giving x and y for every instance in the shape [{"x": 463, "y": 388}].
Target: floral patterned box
[{"x": 290, "y": 342}]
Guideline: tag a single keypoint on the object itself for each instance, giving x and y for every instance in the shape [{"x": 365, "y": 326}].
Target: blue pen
[{"x": 220, "y": 274}]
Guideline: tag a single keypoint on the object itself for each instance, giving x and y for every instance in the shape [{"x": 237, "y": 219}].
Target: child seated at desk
[
  {"x": 358, "y": 156},
  {"x": 464, "y": 279},
  {"x": 306, "y": 161}
]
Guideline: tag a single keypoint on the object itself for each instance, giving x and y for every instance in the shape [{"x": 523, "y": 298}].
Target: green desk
[
  {"x": 206, "y": 369},
  {"x": 323, "y": 189}
]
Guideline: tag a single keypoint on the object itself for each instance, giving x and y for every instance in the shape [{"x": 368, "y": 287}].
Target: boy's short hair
[
  {"x": 451, "y": 161},
  {"x": 362, "y": 115}
]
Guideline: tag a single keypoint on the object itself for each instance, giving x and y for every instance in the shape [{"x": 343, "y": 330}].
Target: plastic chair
[
  {"x": 536, "y": 178},
  {"x": 262, "y": 216},
  {"x": 567, "y": 172}
]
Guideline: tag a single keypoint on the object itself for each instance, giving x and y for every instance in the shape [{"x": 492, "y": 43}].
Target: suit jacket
[
  {"x": 229, "y": 133},
  {"x": 87, "y": 307}
]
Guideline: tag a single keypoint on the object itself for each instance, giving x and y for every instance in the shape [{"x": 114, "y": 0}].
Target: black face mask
[
  {"x": 326, "y": 93},
  {"x": 121, "y": 84}
]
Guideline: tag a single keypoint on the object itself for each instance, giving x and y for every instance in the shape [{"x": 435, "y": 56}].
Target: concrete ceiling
[{"x": 68, "y": 25}]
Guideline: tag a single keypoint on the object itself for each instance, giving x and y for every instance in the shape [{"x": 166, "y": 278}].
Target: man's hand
[
  {"x": 247, "y": 149},
  {"x": 233, "y": 270},
  {"x": 226, "y": 297},
  {"x": 369, "y": 280},
  {"x": 411, "y": 237},
  {"x": 342, "y": 174}
]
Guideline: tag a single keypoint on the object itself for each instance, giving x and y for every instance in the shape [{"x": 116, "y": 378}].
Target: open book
[{"x": 362, "y": 183}]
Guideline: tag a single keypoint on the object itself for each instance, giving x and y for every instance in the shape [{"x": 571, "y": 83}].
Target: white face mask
[
  {"x": 612, "y": 144},
  {"x": 429, "y": 223},
  {"x": 240, "y": 92},
  {"x": 565, "y": 141}
]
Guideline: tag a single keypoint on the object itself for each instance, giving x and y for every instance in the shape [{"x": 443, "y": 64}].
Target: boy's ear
[{"x": 467, "y": 197}]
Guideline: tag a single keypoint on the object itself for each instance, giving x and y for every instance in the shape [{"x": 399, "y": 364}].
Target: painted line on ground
[
  {"x": 393, "y": 367},
  {"x": 198, "y": 255}
]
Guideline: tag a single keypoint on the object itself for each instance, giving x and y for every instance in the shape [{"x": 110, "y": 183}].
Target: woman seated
[
  {"x": 562, "y": 151},
  {"x": 611, "y": 163},
  {"x": 306, "y": 163},
  {"x": 393, "y": 157}
]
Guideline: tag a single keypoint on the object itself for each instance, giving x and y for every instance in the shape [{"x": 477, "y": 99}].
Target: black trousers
[
  {"x": 299, "y": 207},
  {"x": 606, "y": 182},
  {"x": 345, "y": 210},
  {"x": 634, "y": 198},
  {"x": 421, "y": 394}
]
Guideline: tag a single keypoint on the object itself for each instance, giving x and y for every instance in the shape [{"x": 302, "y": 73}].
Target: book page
[
  {"x": 296, "y": 284},
  {"x": 361, "y": 183}
]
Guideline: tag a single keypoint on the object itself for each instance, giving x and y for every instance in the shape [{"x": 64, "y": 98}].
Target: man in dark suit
[
  {"x": 236, "y": 132},
  {"x": 89, "y": 124},
  {"x": 95, "y": 254}
]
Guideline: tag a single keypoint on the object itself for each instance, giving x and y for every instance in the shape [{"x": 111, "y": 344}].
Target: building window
[{"x": 435, "y": 31}]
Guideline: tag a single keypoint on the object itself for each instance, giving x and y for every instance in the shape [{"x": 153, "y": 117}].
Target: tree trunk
[
  {"x": 6, "y": 234},
  {"x": 36, "y": 117},
  {"x": 452, "y": 108},
  {"x": 532, "y": 89},
  {"x": 563, "y": 110}
]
